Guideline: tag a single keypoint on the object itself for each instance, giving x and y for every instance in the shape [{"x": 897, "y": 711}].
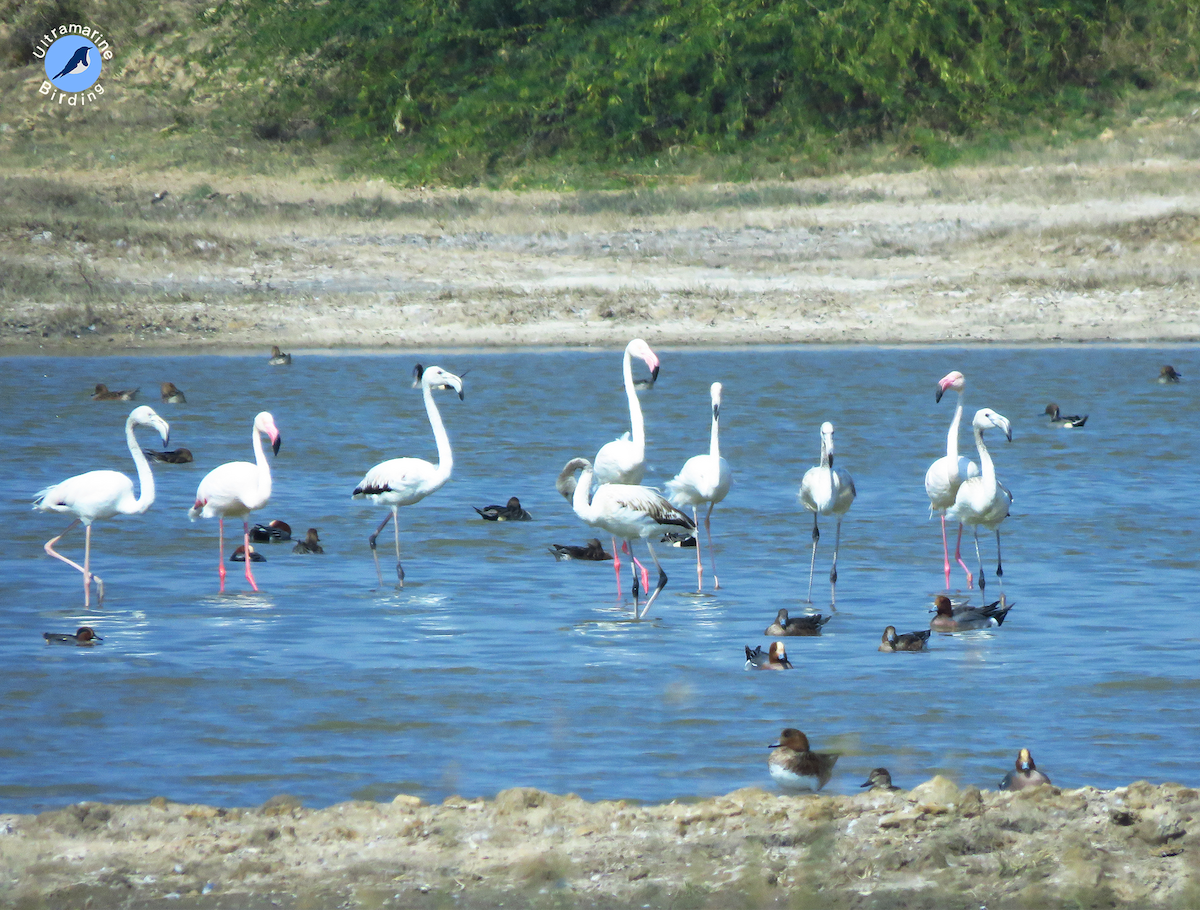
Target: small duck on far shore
[
  {"x": 510, "y": 512},
  {"x": 1168, "y": 374},
  {"x": 83, "y": 637},
  {"x": 796, "y": 625},
  {"x": 1025, "y": 775},
  {"x": 278, "y": 358},
  {"x": 310, "y": 544},
  {"x": 879, "y": 779},
  {"x": 795, "y": 766},
  {"x": 103, "y": 394},
  {"x": 1065, "y": 422},
  {"x": 172, "y": 395},
  {"x": 909, "y": 641}
]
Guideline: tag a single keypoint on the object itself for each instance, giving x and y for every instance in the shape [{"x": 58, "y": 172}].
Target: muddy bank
[{"x": 934, "y": 846}]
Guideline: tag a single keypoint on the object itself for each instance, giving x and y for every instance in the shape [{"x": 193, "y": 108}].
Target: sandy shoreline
[
  {"x": 1046, "y": 254},
  {"x": 934, "y": 846}
]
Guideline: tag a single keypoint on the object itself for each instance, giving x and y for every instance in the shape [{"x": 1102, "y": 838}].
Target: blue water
[{"x": 496, "y": 666}]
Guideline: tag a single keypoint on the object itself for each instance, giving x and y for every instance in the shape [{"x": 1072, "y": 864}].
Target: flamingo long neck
[
  {"x": 580, "y": 503},
  {"x": 952, "y": 436},
  {"x": 714, "y": 443},
  {"x": 826, "y": 453},
  {"x": 264, "y": 467},
  {"x": 145, "y": 475},
  {"x": 445, "y": 456},
  {"x": 635, "y": 406},
  {"x": 987, "y": 469}
]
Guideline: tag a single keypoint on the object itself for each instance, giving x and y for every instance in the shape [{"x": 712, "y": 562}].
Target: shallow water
[{"x": 496, "y": 666}]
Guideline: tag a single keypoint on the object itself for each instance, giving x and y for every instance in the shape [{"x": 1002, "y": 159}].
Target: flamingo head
[
  {"x": 827, "y": 440},
  {"x": 144, "y": 416},
  {"x": 437, "y": 378},
  {"x": 715, "y": 392},
  {"x": 951, "y": 382},
  {"x": 944, "y": 607},
  {"x": 1025, "y": 761},
  {"x": 566, "y": 483},
  {"x": 986, "y": 417},
  {"x": 791, "y": 737},
  {"x": 639, "y": 348},
  {"x": 265, "y": 423}
]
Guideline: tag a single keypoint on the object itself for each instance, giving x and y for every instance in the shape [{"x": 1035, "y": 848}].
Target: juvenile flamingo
[
  {"x": 627, "y": 511},
  {"x": 403, "y": 481},
  {"x": 948, "y": 472},
  {"x": 704, "y": 479},
  {"x": 983, "y": 500},
  {"x": 237, "y": 488},
  {"x": 102, "y": 494},
  {"x": 826, "y": 490}
]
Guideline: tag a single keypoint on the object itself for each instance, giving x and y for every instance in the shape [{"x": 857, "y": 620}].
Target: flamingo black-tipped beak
[
  {"x": 462, "y": 396},
  {"x": 1008, "y": 433},
  {"x": 275, "y": 443},
  {"x": 654, "y": 374},
  {"x": 716, "y": 411},
  {"x": 938, "y": 396}
]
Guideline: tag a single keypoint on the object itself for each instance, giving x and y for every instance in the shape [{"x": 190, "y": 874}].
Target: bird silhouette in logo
[{"x": 79, "y": 62}]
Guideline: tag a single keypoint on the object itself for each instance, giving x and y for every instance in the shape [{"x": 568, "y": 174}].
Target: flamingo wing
[
  {"x": 620, "y": 461},
  {"x": 93, "y": 495},
  {"x": 400, "y": 481},
  {"x": 231, "y": 489}
]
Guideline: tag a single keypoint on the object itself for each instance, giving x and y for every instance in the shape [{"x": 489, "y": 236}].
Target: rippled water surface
[{"x": 496, "y": 666}]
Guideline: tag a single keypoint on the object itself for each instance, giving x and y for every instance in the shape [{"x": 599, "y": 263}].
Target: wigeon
[
  {"x": 271, "y": 532},
  {"x": 310, "y": 544},
  {"x": 796, "y": 625},
  {"x": 964, "y": 619},
  {"x": 593, "y": 552},
  {"x": 909, "y": 641},
  {"x": 1168, "y": 374},
  {"x": 173, "y": 456},
  {"x": 103, "y": 394},
  {"x": 1025, "y": 775},
  {"x": 512, "y": 511},
  {"x": 773, "y": 659},
  {"x": 83, "y": 637},
  {"x": 795, "y": 766},
  {"x": 239, "y": 555},
  {"x": 278, "y": 358},
  {"x": 172, "y": 395},
  {"x": 1066, "y": 422},
  {"x": 879, "y": 779},
  {"x": 683, "y": 539}
]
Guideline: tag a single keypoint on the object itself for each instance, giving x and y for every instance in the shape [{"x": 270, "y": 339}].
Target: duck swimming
[
  {"x": 172, "y": 395},
  {"x": 773, "y": 659},
  {"x": 310, "y": 544},
  {"x": 1025, "y": 775},
  {"x": 174, "y": 456},
  {"x": 964, "y": 619},
  {"x": 239, "y": 555},
  {"x": 271, "y": 532},
  {"x": 594, "y": 551},
  {"x": 1067, "y": 423},
  {"x": 797, "y": 625},
  {"x": 794, "y": 766},
  {"x": 684, "y": 539},
  {"x": 1168, "y": 374},
  {"x": 909, "y": 641},
  {"x": 510, "y": 512},
  {"x": 83, "y": 637},
  {"x": 879, "y": 779},
  {"x": 103, "y": 394},
  {"x": 278, "y": 358}
]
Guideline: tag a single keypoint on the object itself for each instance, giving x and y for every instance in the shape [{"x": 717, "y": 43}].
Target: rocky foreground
[{"x": 933, "y": 846}]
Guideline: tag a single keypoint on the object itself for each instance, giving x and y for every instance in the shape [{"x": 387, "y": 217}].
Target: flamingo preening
[
  {"x": 628, "y": 511},
  {"x": 237, "y": 488},
  {"x": 944, "y": 476},
  {"x": 704, "y": 479},
  {"x": 826, "y": 490},
  {"x": 983, "y": 500},
  {"x": 403, "y": 481},
  {"x": 102, "y": 494}
]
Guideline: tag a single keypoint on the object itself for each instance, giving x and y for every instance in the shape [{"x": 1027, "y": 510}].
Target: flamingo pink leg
[
  {"x": 246, "y": 544},
  {"x": 946, "y": 552},
  {"x": 639, "y": 567},
  {"x": 699, "y": 567},
  {"x": 958, "y": 557},
  {"x": 395, "y": 513},
  {"x": 221, "y": 551},
  {"x": 712, "y": 548},
  {"x": 617, "y": 562},
  {"x": 85, "y": 568}
]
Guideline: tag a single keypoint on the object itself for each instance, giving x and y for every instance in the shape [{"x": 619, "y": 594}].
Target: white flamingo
[
  {"x": 630, "y": 512},
  {"x": 704, "y": 479},
  {"x": 826, "y": 490},
  {"x": 944, "y": 475},
  {"x": 983, "y": 500},
  {"x": 102, "y": 494},
  {"x": 403, "y": 481},
  {"x": 237, "y": 488}
]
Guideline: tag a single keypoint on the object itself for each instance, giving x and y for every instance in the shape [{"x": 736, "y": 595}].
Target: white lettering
[
  {"x": 71, "y": 101},
  {"x": 45, "y": 89},
  {"x": 99, "y": 89},
  {"x": 107, "y": 55},
  {"x": 39, "y": 52},
  {"x": 74, "y": 29}
]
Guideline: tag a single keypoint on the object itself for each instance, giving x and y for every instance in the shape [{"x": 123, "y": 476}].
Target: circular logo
[{"x": 72, "y": 63}]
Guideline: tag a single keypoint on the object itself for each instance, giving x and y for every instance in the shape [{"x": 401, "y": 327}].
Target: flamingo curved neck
[
  {"x": 145, "y": 475},
  {"x": 987, "y": 469},
  {"x": 952, "y": 436},
  {"x": 264, "y": 468},
  {"x": 714, "y": 444},
  {"x": 635, "y": 406},
  {"x": 583, "y": 508},
  {"x": 445, "y": 456},
  {"x": 826, "y": 454}
]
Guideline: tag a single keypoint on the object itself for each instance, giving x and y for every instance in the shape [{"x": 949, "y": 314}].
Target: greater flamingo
[
  {"x": 237, "y": 488},
  {"x": 627, "y": 511},
  {"x": 704, "y": 479},
  {"x": 102, "y": 494},
  {"x": 948, "y": 472},
  {"x": 624, "y": 460},
  {"x": 826, "y": 490},
  {"x": 403, "y": 481},
  {"x": 983, "y": 500}
]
